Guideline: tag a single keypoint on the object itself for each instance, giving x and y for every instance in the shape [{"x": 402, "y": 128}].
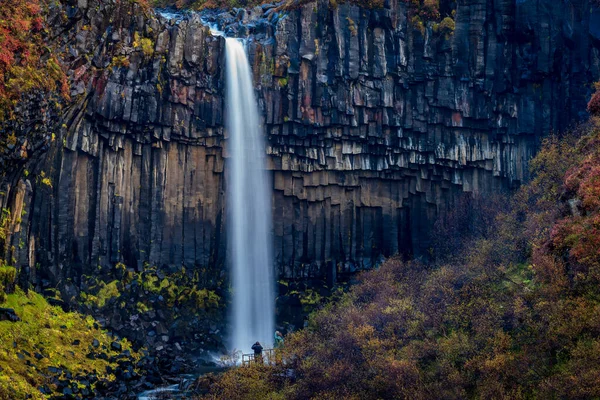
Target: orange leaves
[
  {"x": 550, "y": 270},
  {"x": 594, "y": 104}
]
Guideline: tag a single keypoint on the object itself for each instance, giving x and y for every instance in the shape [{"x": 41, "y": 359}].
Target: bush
[
  {"x": 26, "y": 63},
  {"x": 594, "y": 104}
]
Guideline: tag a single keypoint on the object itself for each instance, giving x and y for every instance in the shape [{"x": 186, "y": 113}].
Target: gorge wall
[{"x": 374, "y": 128}]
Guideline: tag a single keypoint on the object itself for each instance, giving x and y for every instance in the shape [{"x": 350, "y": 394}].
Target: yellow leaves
[
  {"x": 396, "y": 306},
  {"x": 144, "y": 44},
  {"x": 44, "y": 180},
  {"x": 147, "y": 47},
  {"x": 136, "y": 40},
  {"x": 47, "y": 182},
  {"x": 352, "y": 26},
  {"x": 120, "y": 61},
  {"x": 447, "y": 26}
]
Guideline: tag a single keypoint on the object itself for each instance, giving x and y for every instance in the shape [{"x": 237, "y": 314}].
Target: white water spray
[{"x": 250, "y": 209}]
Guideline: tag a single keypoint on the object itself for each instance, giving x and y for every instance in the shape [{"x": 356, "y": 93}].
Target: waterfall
[{"x": 249, "y": 206}]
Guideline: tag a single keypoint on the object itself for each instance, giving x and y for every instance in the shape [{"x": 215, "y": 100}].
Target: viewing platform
[{"x": 267, "y": 357}]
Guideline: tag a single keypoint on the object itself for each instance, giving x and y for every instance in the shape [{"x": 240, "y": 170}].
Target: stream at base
[{"x": 184, "y": 389}]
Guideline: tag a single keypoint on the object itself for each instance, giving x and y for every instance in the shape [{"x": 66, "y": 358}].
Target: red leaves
[
  {"x": 37, "y": 24},
  {"x": 25, "y": 63},
  {"x": 578, "y": 235}
]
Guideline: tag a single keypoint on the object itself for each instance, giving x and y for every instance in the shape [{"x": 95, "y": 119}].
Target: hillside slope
[{"x": 515, "y": 316}]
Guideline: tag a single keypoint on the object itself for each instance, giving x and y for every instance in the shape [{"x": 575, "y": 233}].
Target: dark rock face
[
  {"x": 373, "y": 129},
  {"x": 8, "y": 314}
]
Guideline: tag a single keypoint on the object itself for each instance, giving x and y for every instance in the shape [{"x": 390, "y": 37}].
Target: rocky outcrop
[{"x": 373, "y": 126}]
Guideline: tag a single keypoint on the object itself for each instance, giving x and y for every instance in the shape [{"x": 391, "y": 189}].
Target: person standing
[
  {"x": 257, "y": 352},
  {"x": 278, "y": 339}
]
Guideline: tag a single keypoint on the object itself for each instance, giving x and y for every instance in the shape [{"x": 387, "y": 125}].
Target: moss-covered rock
[{"x": 49, "y": 351}]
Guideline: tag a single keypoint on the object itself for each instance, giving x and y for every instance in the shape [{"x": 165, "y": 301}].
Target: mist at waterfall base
[{"x": 253, "y": 297}]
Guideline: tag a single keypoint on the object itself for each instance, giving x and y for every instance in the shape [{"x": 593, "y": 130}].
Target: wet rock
[{"x": 57, "y": 302}]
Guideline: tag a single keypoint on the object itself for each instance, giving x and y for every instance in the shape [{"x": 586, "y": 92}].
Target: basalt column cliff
[{"x": 375, "y": 125}]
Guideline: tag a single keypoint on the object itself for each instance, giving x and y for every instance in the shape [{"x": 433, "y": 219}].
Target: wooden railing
[{"x": 267, "y": 357}]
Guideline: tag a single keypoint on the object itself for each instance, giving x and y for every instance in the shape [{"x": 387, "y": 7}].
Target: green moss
[
  {"x": 106, "y": 292},
  {"x": 179, "y": 289},
  {"x": 205, "y": 298},
  {"x": 4, "y": 223},
  {"x": 283, "y": 82},
  {"x": 142, "y": 307},
  {"x": 52, "y": 334},
  {"x": 310, "y": 299}
]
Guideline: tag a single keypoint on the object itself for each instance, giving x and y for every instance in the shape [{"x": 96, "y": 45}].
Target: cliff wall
[{"x": 374, "y": 127}]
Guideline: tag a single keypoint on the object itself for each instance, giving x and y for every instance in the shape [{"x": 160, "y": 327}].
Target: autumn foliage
[
  {"x": 594, "y": 104},
  {"x": 516, "y": 316},
  {"x": 26, "y": 61},
  {"x": 576, "y": 236}
]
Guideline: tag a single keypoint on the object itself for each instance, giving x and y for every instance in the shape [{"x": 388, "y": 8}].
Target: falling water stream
[
  {"x": 249, "y": 209},
  {"x": 248, "y": 197}
]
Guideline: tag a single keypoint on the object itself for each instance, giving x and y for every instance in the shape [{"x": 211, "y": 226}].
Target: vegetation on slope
[
  {"x": 516, "y": 316},
  {"x": 52, "y": 352},
  {"x": 178, "y": 296},
  {"x": 26, "y": 62}
]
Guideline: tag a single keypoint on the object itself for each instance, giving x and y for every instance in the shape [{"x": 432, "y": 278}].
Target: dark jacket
[{"x": 257, "y": 348}]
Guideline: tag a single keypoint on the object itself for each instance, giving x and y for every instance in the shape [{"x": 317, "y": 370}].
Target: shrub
[
  {"x": 447, "y": 26},
  {"x": 26, "y": 62},
  {"x": 420, "y": 12},
  {"x": 594, "y": 104}
]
